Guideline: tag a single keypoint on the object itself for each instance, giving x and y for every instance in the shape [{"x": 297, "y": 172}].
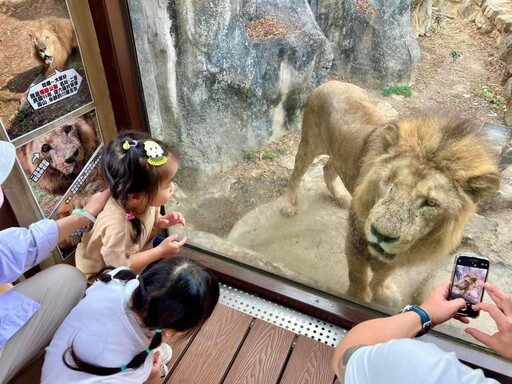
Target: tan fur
[
  {"x": 414, "y": 182},
  {"x": 53, "y": 41},
  {"x": 67, "y": 148}
]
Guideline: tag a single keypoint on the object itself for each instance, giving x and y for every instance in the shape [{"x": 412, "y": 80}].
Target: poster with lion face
[
  {"x": 63, "y": 167},
  {"x": 42, "y": 77}
]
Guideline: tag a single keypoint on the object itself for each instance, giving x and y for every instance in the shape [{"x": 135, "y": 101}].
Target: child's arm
[
  {"x": 67, "y": 225},
  {"x": 170, "y": 219},
  {"x": 169, "y": 247}
]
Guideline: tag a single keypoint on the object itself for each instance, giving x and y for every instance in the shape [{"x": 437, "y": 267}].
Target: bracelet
[{"x": 83, "y": 212}]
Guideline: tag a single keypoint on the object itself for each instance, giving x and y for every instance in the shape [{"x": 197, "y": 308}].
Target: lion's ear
[
  {"x": 483, "y": 186},
  {"x": 389, "y": 136},
  {"x": 30, "y": 32}
]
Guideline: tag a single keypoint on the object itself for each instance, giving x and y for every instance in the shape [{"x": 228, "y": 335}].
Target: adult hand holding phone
[{"x": 501, "y": 313}]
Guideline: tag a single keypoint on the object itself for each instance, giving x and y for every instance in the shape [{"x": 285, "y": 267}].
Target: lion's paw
[
  {"x": 359, "y": 294},
  {"x": 343, "y": 200},
  {"x": 388, "y": 297},
  {"x": 289, "y": 210}
]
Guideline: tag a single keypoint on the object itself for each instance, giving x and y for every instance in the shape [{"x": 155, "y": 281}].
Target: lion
[
  {"x": 466, "y": 283},
  {"x": 66, "y": 149},
  {"x": 411, "y": 184},
  {"x": 54, "y": 42}
]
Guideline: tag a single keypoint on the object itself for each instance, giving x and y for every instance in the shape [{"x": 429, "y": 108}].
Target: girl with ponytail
[
  {"x": 139, "y": 171},
  {"x": 111, "y": 335}
]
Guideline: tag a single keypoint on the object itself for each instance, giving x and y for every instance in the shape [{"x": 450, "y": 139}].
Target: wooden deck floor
[{"x": 233, "y": 347}]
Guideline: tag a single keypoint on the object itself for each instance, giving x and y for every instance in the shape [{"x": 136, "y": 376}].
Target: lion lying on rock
[
  {"x": 54, "y": 43},
  {"x": 413, "y": 183}
]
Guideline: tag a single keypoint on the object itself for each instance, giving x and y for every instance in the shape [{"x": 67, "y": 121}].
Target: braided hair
[
  {"x": 175, "y": 293},
  {"x": 128, "y": 172}
]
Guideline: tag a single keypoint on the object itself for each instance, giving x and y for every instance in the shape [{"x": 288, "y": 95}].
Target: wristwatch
[{"x": 426, "y": 323}]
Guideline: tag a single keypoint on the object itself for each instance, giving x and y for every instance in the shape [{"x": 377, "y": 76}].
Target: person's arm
[
  {"x": 403, "y": 325},
  {"x": 501, "y": 313},
  {"x": 67, "y": 225},
  {"x": 23, "y": 248},
  {"x": 169, "y": 247}
]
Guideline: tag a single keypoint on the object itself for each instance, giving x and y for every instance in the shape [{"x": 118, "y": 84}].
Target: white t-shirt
[
  {"x": 104, "y": 332},
  {"x": 409, "y": 361}
]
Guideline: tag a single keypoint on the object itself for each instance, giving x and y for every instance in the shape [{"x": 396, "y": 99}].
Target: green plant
[
  {"x": 456, "y": 55},
  {"x": 255, "y": 155},
  {"x": 490, "y": 92},
  {"x": 250, "y": 154},
  {"x": 403, "y": 90}
]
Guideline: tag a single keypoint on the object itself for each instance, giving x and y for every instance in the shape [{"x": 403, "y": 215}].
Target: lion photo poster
[
  {"x": 62, "y": 168},
  {"x": 43, "y": 78}
]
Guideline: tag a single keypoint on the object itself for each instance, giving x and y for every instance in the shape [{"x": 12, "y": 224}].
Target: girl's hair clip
[
  {"x": 127, "y": 145},
  {"x": 129, "y": 216},
  {"x": 155, "y": 153}
]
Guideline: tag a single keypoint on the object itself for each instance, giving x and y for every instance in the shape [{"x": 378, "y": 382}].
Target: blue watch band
[{"x": 425, "y": 318}]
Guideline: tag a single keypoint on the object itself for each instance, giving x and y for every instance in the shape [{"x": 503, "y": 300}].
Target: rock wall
[
  {"x": 226, "y": 75},
  {"x": 372, "y": 41}
]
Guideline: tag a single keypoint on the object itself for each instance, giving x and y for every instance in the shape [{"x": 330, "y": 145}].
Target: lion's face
[
  {"x": 419, "y": 187},
  {"x": 61, "y": 148},
  {"x": 411, "y": 203},
  {"x": 44, "y": 43}
]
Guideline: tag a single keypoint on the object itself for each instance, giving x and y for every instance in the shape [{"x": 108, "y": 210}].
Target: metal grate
[{"x": 281, "y": 316}]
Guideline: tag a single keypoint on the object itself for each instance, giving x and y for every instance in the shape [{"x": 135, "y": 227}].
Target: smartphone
[{"x": 468, "y": 278}]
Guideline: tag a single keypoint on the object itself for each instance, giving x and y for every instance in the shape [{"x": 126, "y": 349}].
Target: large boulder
[
  {"x": 373, "y": 42},
  {"x": 220, "y": 76}
]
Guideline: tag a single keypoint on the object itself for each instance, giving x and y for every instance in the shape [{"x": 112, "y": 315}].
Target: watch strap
[{"x": 426, "y": 323}]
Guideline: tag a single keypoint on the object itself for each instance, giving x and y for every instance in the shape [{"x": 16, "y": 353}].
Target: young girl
[
  {"x": 139, "y": 171},
  {"x": 113, "y": 331}
]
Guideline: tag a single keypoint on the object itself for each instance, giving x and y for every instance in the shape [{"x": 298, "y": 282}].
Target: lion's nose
[
  {"x": 380, "y": 237},
  {"x": 72, "y": 158}
]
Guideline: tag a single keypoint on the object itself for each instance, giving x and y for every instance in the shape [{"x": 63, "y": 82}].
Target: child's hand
[
  {"x": 157, "y": 362},
  {"x": 170, "y": 246},
  {"x": 170, "y": 219}
]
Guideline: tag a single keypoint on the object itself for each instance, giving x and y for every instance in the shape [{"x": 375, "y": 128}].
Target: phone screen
[{"x": 469, "y": 276}]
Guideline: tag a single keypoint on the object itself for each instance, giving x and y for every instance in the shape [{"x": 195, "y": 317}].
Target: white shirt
[
  {"x": 105, "y": 332},
  {"x": 409, "y": 361}
]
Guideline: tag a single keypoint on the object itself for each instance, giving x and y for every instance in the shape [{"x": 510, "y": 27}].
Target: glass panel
[{"x": 251, "y": 96}]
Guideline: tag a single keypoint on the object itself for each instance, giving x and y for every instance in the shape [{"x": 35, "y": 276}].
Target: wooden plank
[
  {"x": 310, "y": 362},
  {"x": 262, "y": 356},
  {"x": 213, "y": 349}
]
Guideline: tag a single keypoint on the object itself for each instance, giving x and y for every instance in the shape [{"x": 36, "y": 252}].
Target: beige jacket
[{"x": 109, "y": 242}]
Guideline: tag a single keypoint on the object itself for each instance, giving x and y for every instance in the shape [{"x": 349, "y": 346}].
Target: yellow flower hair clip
[{"x": 155, "y": 153}]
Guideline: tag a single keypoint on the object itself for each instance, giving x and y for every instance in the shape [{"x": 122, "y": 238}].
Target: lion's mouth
[
  {"x": 47, "y": 59},
  {"x": 377, "y": 248},
  {"x": 77, "y": 168}
]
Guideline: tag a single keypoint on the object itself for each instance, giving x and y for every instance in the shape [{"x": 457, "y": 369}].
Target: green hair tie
[
  {"x": 123, "y": 368},
  {"x": 158, "y": 330},
  {"x": 148, "y": 350}
]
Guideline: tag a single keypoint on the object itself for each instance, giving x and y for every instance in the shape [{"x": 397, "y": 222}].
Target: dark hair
[
  {"x": 127, "y": 171},
  {"x": 174, "y": 293}
]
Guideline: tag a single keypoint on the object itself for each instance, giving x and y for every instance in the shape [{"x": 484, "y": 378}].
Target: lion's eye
[
  {"x": 46, "y": 148},
  {"x": 68, "y": 128},
  {"x": 429, "y": 203}
]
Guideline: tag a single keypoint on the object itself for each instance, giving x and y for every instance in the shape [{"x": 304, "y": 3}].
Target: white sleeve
[{"x": 409, "y": 361}]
